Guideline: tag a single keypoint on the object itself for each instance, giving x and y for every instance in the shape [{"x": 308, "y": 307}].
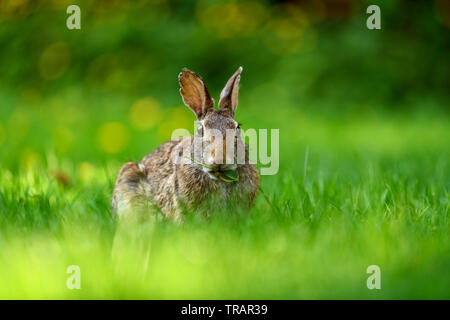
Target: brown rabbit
[{"x": 177, "y": 176}]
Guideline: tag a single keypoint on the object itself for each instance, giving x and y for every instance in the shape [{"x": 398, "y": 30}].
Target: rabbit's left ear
[
  {"x": 194, "y": 93},
  {"x": 229, "y": 95}
]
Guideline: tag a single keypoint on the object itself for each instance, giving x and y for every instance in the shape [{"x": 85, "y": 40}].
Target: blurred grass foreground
[{"x": 364, "y": 148}]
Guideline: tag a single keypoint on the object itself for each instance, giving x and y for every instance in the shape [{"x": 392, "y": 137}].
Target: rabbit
[{"x": 175, "y": 178}]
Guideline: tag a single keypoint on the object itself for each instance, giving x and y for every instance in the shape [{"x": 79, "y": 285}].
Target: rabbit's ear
[
  {"x": 229, "y": 95},
  {"x": 194, "y": 93}
]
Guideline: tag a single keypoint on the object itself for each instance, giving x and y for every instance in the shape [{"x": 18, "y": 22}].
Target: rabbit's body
[
  {"x": 169, "y": 177},
  {"x": 174, "y": 187}
]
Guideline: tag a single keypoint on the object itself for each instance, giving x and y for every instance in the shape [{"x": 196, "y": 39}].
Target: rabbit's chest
[
  {"x": 216, "y": 195},
  {"x": 197, "y": 190}
]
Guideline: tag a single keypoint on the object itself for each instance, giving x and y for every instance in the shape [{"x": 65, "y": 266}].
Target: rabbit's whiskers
[{"x": 226, "y": 175}]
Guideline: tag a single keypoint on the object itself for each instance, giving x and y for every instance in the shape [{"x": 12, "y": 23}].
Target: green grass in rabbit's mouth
[{"x": 226, "y": 175}]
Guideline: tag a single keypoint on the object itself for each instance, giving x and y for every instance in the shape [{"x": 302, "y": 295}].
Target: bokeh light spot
[
  {"x": 104, "y": 72},
  {"x": 54, "y": 61},
  {"x": 14, "y": 8},
  {"x": 442, "y": 8},
  {"x": 63, "y": 139},
  {"x": 29, "y": 159},
  {"x": 145, "y": 113},
  {"x": 176, "y": 118},
  {"x": 86, "y": 171},
  {"x": 236, "y": 19},
  {"x": 112, "y": 137}
]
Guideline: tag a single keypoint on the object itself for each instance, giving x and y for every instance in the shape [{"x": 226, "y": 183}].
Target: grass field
[
  {"x": 364, "y": 127},
  {"x": 353, "y": 190}
]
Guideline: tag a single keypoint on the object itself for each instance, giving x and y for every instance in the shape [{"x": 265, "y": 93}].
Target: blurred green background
[
  {"x": 364, "y": 145},
  {"x": 300, "y": 59}
]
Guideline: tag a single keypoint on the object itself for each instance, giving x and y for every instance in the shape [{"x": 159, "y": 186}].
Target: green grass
[
  {"x": 352, "y": 191},
  {"x": 364, "y": 148}
]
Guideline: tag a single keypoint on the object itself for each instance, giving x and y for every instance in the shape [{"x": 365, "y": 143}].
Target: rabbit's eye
[
  {"x": 200, "y": 130},
  {"x": 238, "y": 130}
]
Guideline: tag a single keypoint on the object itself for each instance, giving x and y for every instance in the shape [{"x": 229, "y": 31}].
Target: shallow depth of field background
[{"x": 364, "y": 147}]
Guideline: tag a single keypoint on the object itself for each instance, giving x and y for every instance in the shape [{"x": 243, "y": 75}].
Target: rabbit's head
[{"x": 217, "y": 141}]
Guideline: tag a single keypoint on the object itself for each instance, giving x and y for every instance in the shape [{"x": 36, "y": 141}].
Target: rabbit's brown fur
[{"x": 157, "y": 181}]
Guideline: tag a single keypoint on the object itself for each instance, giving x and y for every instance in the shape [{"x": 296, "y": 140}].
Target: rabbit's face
[{"x": 220, "y": 136}]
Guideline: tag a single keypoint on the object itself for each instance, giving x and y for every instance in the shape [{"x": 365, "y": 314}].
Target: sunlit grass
[
  {"x": 316, "y": 227},
  {"x": 364, "y": 148}
]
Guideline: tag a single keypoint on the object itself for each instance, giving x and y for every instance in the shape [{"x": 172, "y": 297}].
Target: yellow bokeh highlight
[
  {"x": 104, "y": 72},
  {"x": 86, "y": 171},
  {"x": 145, "y": 113},
  {"x": 54, "y": 61},
  {"x": 14, "y": 8},
  {"x": 176, "y": 118},
  {"x": 442, "y": 9},
  {"x": 63, "y": 139},
  {"x": 30, "y": 95},
  {"x": 235, "y": 18},
  {"x": 112, "y": 137},
  {"x": 29, "y": 159}
]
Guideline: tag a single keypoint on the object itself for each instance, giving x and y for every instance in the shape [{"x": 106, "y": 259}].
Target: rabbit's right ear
[
  {"x": 229, "y": 96},
  {"x": 194, "y": 93}
]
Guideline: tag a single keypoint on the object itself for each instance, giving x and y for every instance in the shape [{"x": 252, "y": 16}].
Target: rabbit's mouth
[
  {"x": 218, "y": 172},
  {"x": 220, "y": 167},
  {"x": 224, "y": 172}
]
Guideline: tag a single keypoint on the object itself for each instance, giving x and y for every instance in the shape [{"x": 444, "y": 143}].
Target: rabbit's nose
[
  {"x": 221, "y": 153},
  {"x": 218, "y": 155},
  {"x": 224, "y": 152},
  {"x": 225, "y": 167}
]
